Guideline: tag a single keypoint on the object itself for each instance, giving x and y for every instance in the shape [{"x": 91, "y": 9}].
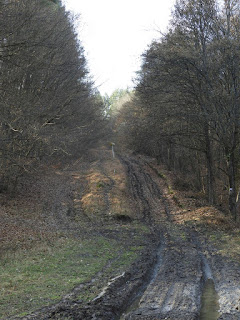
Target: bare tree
[
  {"x": 188, "y": 91},
  {"x": 47, "y": 101}
]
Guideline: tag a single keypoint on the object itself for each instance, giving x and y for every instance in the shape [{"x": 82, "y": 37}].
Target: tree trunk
[
  {"x": 233, "y": 194},
  {"x": 210, "y": 169}
]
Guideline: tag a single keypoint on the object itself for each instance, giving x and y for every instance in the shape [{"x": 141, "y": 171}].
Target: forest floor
[{"x": 84, "y": 240}]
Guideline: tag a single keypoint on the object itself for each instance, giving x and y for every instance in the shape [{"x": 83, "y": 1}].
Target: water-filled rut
[
  {"x": 179, "y": 286},
  {"x": 209, "y": 302}
]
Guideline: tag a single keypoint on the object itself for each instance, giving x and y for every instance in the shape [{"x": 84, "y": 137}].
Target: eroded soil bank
[{"x": 170, "y": 272}]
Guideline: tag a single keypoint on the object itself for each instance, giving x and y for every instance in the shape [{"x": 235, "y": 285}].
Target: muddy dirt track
[
  {"x": 175, "y": 289},
  {"x": 170, "y": 276},
  {"x": 185, "y": 261}
]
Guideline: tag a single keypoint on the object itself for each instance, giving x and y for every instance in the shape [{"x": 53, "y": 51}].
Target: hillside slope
[{"x": 83, "y": 240}]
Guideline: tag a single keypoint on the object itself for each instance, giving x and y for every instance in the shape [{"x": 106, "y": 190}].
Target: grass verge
[{"x": 42, "y": 276}]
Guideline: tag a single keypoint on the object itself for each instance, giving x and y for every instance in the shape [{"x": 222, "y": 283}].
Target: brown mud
[{"x": 168, "y": 278}]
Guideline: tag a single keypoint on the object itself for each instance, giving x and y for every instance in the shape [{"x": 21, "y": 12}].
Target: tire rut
[
  {"x": 176, "y": 290},
  {"x": 145, "y": 192},
  {"x": 186, "y": 262}
]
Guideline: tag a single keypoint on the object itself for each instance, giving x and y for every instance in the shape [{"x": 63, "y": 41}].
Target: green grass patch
[
  {"x": 100, "y": 184},
  {"x": 30, "y": 280}
]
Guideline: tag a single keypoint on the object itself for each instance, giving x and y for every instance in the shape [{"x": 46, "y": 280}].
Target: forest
[
  {"x": 49, "y": 106},
  {"x": 185, "y": 102},
  {"x": 184, "y": 110},
  {"x": 121, "y": 206}
]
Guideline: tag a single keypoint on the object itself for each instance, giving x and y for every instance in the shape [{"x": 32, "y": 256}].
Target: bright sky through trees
[{"x": 115, "y": 33}]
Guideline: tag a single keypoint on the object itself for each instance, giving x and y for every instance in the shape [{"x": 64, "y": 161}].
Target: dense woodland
[
  {"x": 185, "y": 108},
  {"x": 49, "y": 108}
]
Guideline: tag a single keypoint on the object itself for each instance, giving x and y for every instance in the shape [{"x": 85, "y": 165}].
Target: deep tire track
[
  {"x": 176, "y": 290},
  {"x": 145, "y": 191}
]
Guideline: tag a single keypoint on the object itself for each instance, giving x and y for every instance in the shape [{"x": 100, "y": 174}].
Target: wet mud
[{"x": 167, "y": 281}]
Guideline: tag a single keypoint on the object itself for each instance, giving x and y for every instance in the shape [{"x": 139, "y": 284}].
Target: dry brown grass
[
  {"x": 106, "y": 191},
  {"x": 189, "y": 207},
  {"x": 207, "y": 215},
  {"x": 96, "y": 186},
  {"x": 22, "y": 227}
]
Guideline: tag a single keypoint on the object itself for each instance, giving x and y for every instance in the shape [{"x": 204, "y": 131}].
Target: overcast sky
[{"x": 115, "y": 33}]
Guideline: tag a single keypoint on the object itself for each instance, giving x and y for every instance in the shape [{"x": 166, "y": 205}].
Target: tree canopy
[
  {"x": 48, "y": 104},
  {"x": 186, "y": 107}
]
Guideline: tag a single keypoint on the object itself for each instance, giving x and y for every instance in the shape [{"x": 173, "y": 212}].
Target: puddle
[
  {"x": 209, "y": 302},
  {"x": 134, "y": 306},
  {"x": 209, "y": 298}
]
